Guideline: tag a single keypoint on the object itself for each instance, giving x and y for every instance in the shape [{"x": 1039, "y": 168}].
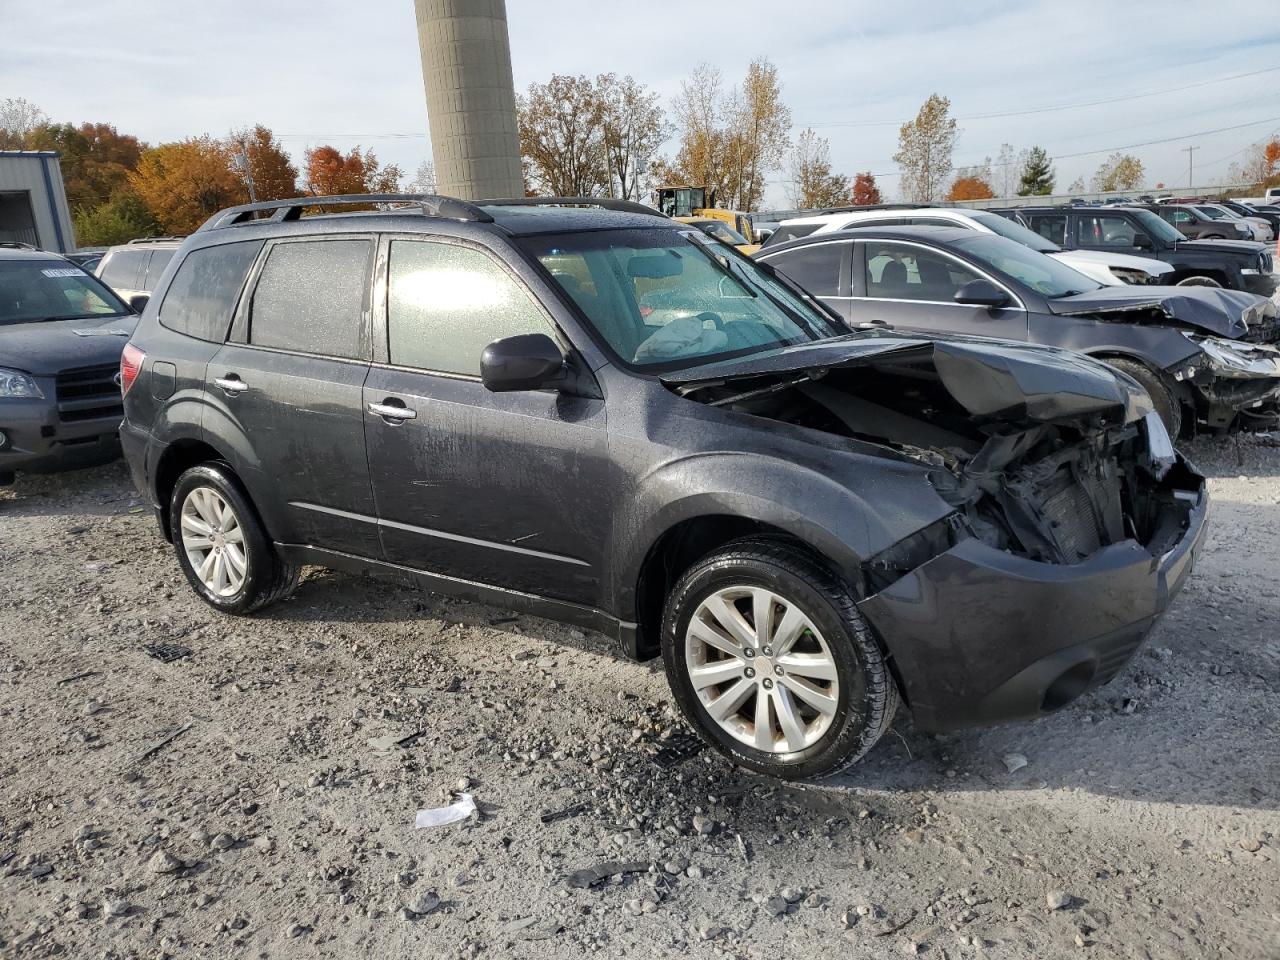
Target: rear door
[
  {"x": 289, "y": 387},
  {"x": 123, "y": 270},
  {"x": 821, "y": 269},
  {"x": 912, "y": 286},
  {"x": 1111, "y": 233},
  {"x": 505, "y": 489}
]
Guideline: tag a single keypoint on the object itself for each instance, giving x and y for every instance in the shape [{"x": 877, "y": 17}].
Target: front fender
[{"x": 854, "y": 508}]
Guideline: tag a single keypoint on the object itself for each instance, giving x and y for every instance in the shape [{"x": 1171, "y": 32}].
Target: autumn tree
[
  {"x": 758, "y": 134},
  {"x": 261, "y": 164},
  {"x": 1077, "y": 185},
  {"x": 96, "y": 159},
  {"x": 812, "y": 184},
  {"x": 18, "y": 119},
  {"x": 561, "y": 135},
  {"x": 1120, "y": 171},
  {"x": 865, "y": 191},
  {"x": 632, "y": 127},
  {"x": 1008, "y": 168},
  {"x": 970, "y": 188},
  {"x": 698, "y": 112},
  {"x": 925, "y": 145},
  {"x": 1037, "y": 174},
  {"x": 1261, "y": 166},
  {"x": 184, "y": 183},
  {"x": 332, "y": 173}
]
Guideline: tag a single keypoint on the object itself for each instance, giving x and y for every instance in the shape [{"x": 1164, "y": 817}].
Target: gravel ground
[{"x": 256, "y": 798}]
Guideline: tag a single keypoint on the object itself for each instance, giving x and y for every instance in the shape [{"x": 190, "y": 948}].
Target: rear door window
[
  {"x": 447, "y": 302},
  {"x": 159, "y": 260},
  {"x": 1051, "y": 226},
  {"x": 201, "y": 299},
  {"x": 311, "y": 296},
  {"x": 816, "y": 269},
  {"x": 123, "y": 268},
  {"x": 898, "y": 271},
  {"x": 1104, "y": 231}
]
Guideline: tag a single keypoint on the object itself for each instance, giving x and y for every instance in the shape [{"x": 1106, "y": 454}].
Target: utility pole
[
  {"x": 1191, "y": 167},
  {"x": 248, "y": 174}
]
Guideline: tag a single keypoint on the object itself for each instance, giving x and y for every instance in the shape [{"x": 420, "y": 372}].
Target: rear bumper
[
  {"x": 37, "y": 441},
  {"x": 980, "y": 636}
]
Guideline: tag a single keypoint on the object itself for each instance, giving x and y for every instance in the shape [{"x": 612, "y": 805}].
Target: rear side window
[
  {"x": 448, "y": 302},
  {"x": 159, "y": 260},
  {"x": 202, "y": 297},
  {"x": 122, "y": 269},
  {"x": 310, "y": 298},
  {"x": 816, "y": 269},
  {"x": 794, "y": 232},
  {"x": 1052, "y": 227}
]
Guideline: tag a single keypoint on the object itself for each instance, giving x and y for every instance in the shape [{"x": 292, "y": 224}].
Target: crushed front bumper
[{"x": 977, "y": 635}]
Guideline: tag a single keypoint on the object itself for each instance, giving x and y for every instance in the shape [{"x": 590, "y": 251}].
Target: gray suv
[{"x": 584, "y": 410}]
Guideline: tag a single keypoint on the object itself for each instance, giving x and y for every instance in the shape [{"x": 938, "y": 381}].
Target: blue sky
[{"x": 347, "y": 73}]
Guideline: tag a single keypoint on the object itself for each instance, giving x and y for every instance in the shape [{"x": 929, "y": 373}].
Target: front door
[
  {"x": 291, "y": 380},
  {"x": 912, "y": 287},
  {"x": 503, "y": 489}
]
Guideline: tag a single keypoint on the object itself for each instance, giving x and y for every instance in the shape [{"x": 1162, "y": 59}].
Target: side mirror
[
  {"x": 981, "y": 293},
  {"x": 527, "y": 361},
  {"x": 138, "y": 302},
  {"x": 1142, "y": 241}
]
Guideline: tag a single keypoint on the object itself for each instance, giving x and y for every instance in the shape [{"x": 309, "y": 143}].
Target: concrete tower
[{"x": 471, "y": 103}]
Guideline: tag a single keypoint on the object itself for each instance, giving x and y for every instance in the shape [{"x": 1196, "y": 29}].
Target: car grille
[
  {"x": 1268, "y": 262},
  {"x": 89, "y": 393}
]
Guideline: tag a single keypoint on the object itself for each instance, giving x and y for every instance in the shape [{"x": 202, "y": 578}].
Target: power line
[{"x": 1049, "y": 109}]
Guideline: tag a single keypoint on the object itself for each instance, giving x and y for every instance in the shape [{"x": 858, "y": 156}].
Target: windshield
[
  {"x": 1157, "y": 227},
  {"x": 53, "y": 290},
  {"x": 1002, "y": 226},
  {"x": 667, "y": 299},
  {"x": 722, "y": 231},
  {"x": 1041, "y": 273}
]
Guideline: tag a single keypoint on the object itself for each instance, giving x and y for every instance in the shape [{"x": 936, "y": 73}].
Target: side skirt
[{"x": 589, "y": 618}]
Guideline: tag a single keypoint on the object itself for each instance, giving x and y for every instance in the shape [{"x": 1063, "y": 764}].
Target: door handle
[
  {"x": 391, "y": 411},
  {"x": 231, "y": 384}
]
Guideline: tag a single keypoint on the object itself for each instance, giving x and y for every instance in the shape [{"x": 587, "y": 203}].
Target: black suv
[
  {"x": 584, "y": 410},
  {"x": 1137, "y": 230}
]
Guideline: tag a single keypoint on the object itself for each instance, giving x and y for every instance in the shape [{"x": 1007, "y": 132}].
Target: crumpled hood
[
  {"x": 42, "y": 348},
  {"x": 1224, "y": 313},
  {"x": 995, "y": 379}
]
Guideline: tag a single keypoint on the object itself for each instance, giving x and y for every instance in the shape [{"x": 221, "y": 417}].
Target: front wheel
[
  {"x": 221, "y": 546},
  {"x": 1198, "y": 281},
  {"x": 1166, "y": 404},
  {"x": 769, "y": 658}
]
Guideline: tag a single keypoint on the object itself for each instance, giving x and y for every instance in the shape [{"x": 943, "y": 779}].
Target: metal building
[
  {"x": 33, "y": 203},
  {"x": 471, "y": 101}
]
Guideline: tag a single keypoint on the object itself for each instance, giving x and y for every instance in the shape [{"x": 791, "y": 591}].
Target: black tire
[
  {"x": 867, "y": 693},
  {"x": 1166, "y": 404},
  {"x": 1199, "y": 280},
  {"x": 267, "y": 576}
]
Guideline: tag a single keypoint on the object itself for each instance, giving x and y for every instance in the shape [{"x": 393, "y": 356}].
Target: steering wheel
[{"x": 715, "y": 318}]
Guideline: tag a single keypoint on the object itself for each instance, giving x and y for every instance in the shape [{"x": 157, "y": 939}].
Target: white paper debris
[
  {"x": 441, "y": 816},
  {"x": 1014, "y": 762}
]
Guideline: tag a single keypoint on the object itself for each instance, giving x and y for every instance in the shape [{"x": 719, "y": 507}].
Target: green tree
[
  {"x": 925, "y": 145},
  {"x": 1037, "y": 174},
  {"x": 122, "y": 218}
]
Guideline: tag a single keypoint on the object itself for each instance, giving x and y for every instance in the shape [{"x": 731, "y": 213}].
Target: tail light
[{"x": 130, "y": 366}]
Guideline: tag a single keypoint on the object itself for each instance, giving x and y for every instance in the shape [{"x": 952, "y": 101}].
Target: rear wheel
[
  {"x": 1167, "y": 406},
  {"x": 221, "y": 546},
  {"x": 769, "y": 658}
]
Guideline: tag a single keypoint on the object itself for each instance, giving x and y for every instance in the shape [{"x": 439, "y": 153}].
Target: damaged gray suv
[{"x": 586, "y": 411}]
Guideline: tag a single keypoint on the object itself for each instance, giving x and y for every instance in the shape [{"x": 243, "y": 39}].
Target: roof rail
[
  {"x": 604, "y": 203},
  {"x": 449, "y": 208},
  {"x": 858, "y": 208},
  {"x": 157, "y": 240}
]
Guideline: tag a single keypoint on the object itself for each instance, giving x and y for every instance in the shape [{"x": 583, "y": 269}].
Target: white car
[{"x": 1111, "y": 269}]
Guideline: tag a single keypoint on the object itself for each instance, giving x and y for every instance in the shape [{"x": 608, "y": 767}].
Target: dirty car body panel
[{"x": 961, "y": 489}]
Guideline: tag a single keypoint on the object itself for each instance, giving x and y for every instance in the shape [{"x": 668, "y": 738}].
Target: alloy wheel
[
  {"x": 761, "y": 669},
  {"x": 214, "y": 541}
]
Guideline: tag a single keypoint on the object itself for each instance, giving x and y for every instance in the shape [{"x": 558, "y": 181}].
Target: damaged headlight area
[{"x": 1232, "y": 358}]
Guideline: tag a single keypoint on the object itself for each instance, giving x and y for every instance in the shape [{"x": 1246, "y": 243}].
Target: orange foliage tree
[
  {"x": 331, "y": 173},
  {"x": 184, "y": 183},
  {"x": 865, "y": 190},
  {"x": 970, "y": 188},
  {"x": 273, "y": 174}
]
